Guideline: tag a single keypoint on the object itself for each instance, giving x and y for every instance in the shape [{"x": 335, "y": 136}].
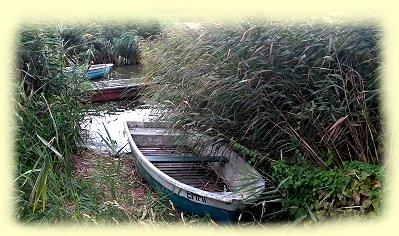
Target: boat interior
[{"x": 180, "y": 162}]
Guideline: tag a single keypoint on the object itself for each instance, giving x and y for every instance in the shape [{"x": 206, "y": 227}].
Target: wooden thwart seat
[
  {"x": 152, "y": 132},
  {"x": 185, "y": 159}
]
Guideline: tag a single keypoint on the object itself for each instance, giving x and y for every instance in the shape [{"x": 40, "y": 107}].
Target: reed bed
[
  {"x": 282, "y": 94},
  {"x": 112, "y": 42},
  {"x": 301, "y": 102},
  {"x": 56, "y": 181},
  {"x": 278, "y": 90},
  {"x": 48, "y": 113}
]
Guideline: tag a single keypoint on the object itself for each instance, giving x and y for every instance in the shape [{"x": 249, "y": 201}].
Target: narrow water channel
[
  {"x": 124, "y": 72},
  {"x": 101, "y": 130}
]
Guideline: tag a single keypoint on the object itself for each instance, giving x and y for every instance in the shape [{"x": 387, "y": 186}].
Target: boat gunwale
[
  {"x": 101, "y": 66},
  {"x": 234, "y": 200}
]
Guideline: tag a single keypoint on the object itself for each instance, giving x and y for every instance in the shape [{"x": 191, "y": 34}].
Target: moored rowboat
[
  {"x": 97, "y": 71},
  {"x": 198, "y": 176},
  {"x": 114, "y": 90}
]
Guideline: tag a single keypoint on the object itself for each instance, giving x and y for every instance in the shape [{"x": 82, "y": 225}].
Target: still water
[
  {"x": 102, "y": 129},
  {"x": 124, "y": 72}
]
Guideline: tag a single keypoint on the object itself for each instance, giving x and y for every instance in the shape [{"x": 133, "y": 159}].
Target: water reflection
[
  {"x": 103, "y": 129},
  {"x": 106, "y": 128},
  {"x": 125, "y": 72}
]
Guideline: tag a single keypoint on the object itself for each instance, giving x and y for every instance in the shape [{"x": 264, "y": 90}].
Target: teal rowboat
[
  {"x": 98, "y": 71},
  {"x": 198, "y": 176},
  {"x": 95, "y": 71}
]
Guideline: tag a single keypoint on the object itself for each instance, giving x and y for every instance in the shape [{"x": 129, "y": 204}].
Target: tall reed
[
  {"x": 280, "y": 88},
  {"x": 112, "y": 42},
  {"x": 48, "y": 113}
]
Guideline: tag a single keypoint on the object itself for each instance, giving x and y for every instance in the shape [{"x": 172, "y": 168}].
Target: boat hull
[
  {"x": 115, "y": 94},
  {"x": 98, "y": 71},
  {"x": 115, "y": 90},
  {"x": 224, "y": 205},
  {"x": 188, "y": 206}
]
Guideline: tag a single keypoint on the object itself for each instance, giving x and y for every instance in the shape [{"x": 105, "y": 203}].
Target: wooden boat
[
  {"x": 198, "y": 176},
  {"x": 114, "y": 90},
  {"x": 97, "y": 71}
]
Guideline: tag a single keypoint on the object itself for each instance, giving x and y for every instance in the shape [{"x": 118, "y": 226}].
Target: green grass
[
  {"x": 48, "y": 112},
  {"x": 110, "y": 191}
]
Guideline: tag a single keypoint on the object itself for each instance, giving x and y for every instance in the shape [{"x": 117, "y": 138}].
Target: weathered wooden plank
[
  {"x": 151, "y": 131},
  {"x": 167, "y": 159},
  {"x": 113, "y": 84}
]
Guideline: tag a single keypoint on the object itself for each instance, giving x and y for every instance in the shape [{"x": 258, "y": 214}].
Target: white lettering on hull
[{"x": 195, "y": 197}]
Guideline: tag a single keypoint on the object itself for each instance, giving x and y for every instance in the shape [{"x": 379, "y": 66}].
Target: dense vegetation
[
  {"x": 48, "y": 112},
  {"x": 300, "y": 101},
  {"x": 113, "y": 42}
]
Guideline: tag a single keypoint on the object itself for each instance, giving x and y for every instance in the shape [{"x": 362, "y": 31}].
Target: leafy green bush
[{"x": 354, "y": 190}]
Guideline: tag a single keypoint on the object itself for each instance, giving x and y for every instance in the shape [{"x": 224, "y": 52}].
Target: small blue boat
[
  {"x": 199, "y": 176},
  {"x": 98, "y": 71}
]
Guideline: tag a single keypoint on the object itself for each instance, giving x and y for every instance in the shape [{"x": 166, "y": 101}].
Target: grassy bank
[
  {"x": 47, "y": 113},
  {"x": 111, "y": 191},
  {"x": 278, "y": 92},
  {"x": 51, "y": 183}
]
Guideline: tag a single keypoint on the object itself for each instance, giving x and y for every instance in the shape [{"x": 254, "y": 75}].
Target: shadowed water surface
[
  {"x": 102, "y": 129},
  {"x": 125, "y": 72}
]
